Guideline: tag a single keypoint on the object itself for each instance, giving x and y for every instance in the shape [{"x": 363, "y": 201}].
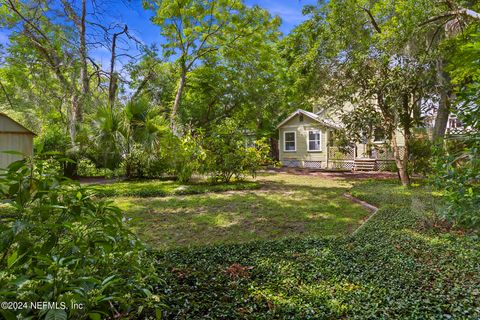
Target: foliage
[
  {"x": 228, "y": 155},
  {"x": 457, "y": 166},
  {"x": 59, "y": 245},
  {"x": 395, "y": 267},
  {"x": 458, "y": 174},
  {"x": 421, "y": 153},
  {"x": 189, "y": 155},
  {"x": 163, "y": 188},
  {"x": 86, "y": 168}
]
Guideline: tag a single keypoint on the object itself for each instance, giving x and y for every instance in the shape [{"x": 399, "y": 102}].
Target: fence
[{"x": 343, "y": 158}]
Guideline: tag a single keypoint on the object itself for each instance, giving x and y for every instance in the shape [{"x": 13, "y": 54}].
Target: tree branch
[{"x": 372, "y": 19}]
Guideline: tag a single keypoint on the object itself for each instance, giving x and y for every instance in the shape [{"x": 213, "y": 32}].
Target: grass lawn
[
  {"x": 286, "y": 206},
  {"x": 403, "y": 264},
  {"x": 163, "y": 188}
]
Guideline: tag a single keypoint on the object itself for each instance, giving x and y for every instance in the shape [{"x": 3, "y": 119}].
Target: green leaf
[
  {"x": 56, "y": 314},
  {"x": 158, "y": 313},
  {"x": 7, "y": 314},
  {"x": 12, "y": 259},
  {"x": 95, "y": 316}
]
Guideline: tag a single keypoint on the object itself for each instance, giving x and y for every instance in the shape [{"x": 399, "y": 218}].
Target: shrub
[
  {"x": 188, "y": 156},
  {"x": 58, "y": 245},
  {"x": 159, "y": 188},
  {"x": 140, "y": 163},
  {"x": 420, "y": 160},
  {"x": 457, "y": 174},
  {"x": 86, "y": 168},
  {"x": 228, "y": 154}
]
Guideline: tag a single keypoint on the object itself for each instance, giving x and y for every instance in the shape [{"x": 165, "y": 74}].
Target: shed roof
[
  {"x": 313, "y": 116},
  {"x": 8, "y": 125}
]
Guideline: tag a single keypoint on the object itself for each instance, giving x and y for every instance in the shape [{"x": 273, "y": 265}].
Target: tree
[
  {"x": 195, "y": 30},
  {"x": 373, "y": 56},
  {"x": 49, "y": 46}
]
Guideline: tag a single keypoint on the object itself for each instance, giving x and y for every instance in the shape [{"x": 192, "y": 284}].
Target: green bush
[
  {"x": 86, "y": 168},
  {"x": 140, "y": 163},
  {"x": 457, "y": 174},
  {"x": 188, "y": 156},
  {"x": 59, "y": 245},
  {"x": 228, "y": 154},
  {"x": 420, "y": 157}
]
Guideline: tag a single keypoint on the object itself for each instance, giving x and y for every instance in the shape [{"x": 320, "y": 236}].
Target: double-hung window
[
  {"x": 314, "y": 140},
  {"x": 289, "y": 141}
]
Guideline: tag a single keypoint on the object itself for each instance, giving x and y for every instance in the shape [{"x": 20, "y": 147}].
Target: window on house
[
  {"x": 454, "y": 123},
  {"x": 314, "y": 141},
  {"x": 289, "y": 141},
  {"x": 379, "y": 135}
]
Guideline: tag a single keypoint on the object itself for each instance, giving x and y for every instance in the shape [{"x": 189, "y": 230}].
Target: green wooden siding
[{"x": 301, "y": 129}]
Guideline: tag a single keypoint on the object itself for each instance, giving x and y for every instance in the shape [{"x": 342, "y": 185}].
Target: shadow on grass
[{"x": 278, "y": 210}]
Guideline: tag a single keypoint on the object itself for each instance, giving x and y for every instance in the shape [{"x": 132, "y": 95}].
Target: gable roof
[
  {"x": 313, "y": 116},
  {"x": 12, "y": 126}
]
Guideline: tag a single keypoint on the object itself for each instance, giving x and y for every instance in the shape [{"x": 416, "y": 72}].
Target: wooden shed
[{"x": 13, "y": 137}]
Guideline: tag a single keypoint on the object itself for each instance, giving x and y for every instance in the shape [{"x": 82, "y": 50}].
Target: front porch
[
  {"x": 352, "y": 158},
  {"x": 355, "y": 158}
]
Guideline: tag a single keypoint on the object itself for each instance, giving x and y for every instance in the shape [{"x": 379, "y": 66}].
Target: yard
[
  {"x": 286, "y": 250},
  {"x": 277, "y": 206}
]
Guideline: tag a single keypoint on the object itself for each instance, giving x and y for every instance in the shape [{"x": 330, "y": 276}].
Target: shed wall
[{"x": 20, "y": 142}]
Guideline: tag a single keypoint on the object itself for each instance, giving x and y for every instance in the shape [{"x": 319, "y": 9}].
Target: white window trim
[
  {"x": 285, "y": 141},
  {"x": 308, "y": 140}
]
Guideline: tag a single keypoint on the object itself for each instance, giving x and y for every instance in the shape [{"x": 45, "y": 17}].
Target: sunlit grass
[{"x": 286, "y": 206}]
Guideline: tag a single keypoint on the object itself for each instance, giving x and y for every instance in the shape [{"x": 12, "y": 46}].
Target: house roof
[
  {"x": 11, "y": 129},
  {"x": 313, "y": 116}
]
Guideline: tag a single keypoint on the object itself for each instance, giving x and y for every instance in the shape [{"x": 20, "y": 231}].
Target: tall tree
[
  {"x": 373, "y": 56},
  {"x": 196, "y": 29},
  {"x": 50, "y": 44}
]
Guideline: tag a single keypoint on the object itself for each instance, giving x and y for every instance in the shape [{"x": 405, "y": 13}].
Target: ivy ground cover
[{"x": 403, "y": 264}]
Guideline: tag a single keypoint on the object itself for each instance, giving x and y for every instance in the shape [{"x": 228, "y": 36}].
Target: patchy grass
[
  {"x": 286, "y": 206},
  {"x": 397, "y": 266},
  {"x": 163, "y": 188}
]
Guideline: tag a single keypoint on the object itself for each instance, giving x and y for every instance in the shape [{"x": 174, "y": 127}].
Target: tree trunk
[
  {"x": 178, "y": 98},
  {"x": 443, "y": 112},
  {"x": 401, "y": 162},
  {"x": 112, "y": 85},
  {"x": 70, "y": 168}
]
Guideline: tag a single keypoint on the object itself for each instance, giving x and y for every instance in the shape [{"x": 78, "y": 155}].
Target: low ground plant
[
  {"x": 164, "y": 187},
  {"x": 397, "y": 266}
]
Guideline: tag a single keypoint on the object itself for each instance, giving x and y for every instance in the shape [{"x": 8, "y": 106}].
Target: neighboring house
[
  {"x": 14, "y": 137},
  {"x": 306, "y": 141}
]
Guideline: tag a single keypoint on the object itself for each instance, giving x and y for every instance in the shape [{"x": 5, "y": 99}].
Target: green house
[{"x": 306, "y": 141}]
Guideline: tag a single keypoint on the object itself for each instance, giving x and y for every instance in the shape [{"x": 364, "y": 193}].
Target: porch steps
[{"x": 364, "y": 164}]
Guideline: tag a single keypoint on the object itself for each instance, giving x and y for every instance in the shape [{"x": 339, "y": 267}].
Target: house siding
[
  {"x": 301, "y": 156},
  {"x": 13, "y": 137}
]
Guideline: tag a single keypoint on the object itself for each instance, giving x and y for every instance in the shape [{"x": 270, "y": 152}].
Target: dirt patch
[
  {"x": 341, "y": 175},
  {"x": 97, "y": 180}
]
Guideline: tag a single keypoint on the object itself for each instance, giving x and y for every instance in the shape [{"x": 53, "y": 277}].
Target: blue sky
[{"x": 138, "y": 20}]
